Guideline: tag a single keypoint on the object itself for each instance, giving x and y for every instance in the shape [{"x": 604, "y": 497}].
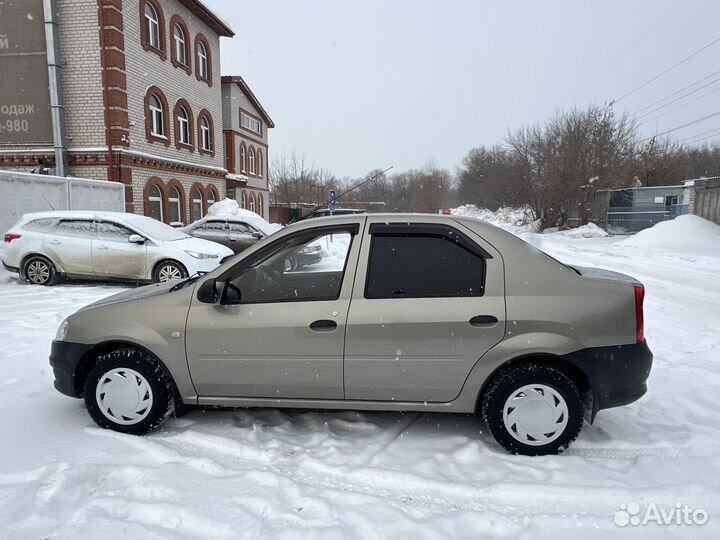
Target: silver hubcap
[
  {"x": 38, "y": 272},
  {"x": 535, "y": 414},
  {"x": 170, "y": 272},
  {"x": 124, "y": 396}
]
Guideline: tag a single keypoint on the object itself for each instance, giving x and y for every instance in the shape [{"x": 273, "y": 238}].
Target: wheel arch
[
  {"x": 28, "y": 256},
  {"x": 166, "y": 260},
  {"x": 577, "y": 375},
  {"x": 91, "y": 356}
]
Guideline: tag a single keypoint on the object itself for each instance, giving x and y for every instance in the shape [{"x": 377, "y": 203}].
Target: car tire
[
  {"x": 135, "y": 385},
  {"x": 168, "y": 270},
  {"x": 39, "y": 270},
  {"x": 533, "y": 409}
]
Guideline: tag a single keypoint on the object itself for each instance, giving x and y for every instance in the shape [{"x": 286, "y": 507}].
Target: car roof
[{"x": 80, "y": 214}]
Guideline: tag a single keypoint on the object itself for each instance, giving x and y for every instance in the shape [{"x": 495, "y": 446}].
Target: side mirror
[
  {"x": 258, "y": 235},
  {"x": 207, "y": 292},
  {"x": 231, "y": 295},
  {"x": 226, "y": 258},
  {"x": 136, "y": 239}
]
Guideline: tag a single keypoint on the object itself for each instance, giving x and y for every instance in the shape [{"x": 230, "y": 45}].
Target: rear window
[
  {"x": 422, "y": 266},
  {"x": 40, "y": 225}
]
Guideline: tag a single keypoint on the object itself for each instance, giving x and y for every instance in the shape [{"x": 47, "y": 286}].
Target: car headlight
[
  {"x": 62, "y": 330},
  {"x": 201, "y": 255}
]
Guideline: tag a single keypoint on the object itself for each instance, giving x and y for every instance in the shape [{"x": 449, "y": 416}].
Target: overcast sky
[{"x": 357, "y": 85}]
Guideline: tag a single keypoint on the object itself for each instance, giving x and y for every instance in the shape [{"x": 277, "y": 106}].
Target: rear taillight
[
  {"x": 9, "y": 237},
  {"x": 639, "y": 316}
]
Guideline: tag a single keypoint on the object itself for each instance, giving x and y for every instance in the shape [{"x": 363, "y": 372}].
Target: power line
[
  {"x": 705, "y": 138},
  {"x": 681, "y": 127},
  {"x": 668, "y": 70},
  {"x": 680, "y": 97},
  {"x": 700, "y": 134},
  {"x": 679, "y": 107},
  {"x": 677, "y": 92}
]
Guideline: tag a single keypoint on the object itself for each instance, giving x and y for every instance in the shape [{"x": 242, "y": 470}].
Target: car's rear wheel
[
  {"x": 127, "y": 390},
  {"x": 39, "y": 270},
  {"x": 533, "y": 409},
  {"x": 169, "y": 271}
]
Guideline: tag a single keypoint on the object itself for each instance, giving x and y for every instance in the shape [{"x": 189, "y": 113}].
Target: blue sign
[{"x": 333, "y": 201}]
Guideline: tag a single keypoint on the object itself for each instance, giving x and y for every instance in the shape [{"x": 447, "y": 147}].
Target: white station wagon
[{"x": 43, "y": 247}]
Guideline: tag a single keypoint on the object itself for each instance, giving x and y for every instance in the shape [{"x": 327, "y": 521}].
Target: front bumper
[
  {"x": 64, "y": 359},
  {"x": 617, "y": 375}
]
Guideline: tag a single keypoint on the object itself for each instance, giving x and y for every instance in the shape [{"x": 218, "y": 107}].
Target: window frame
[
  {"x": 152, "y": 26},
  {"x": 157, "y": 117},
  {"x": 147, "y": 36},
  {"x": 158, "y": 199},
  {"x": 251, "y": 121},
  {"x": 251, "y": 160},
  {"x": 203, "y": 62},
  {"x": 180, "y": 45},
  {"x": 193, "y": 201},
  {"x": 183, "y": 126},
  {"x": 281, "y": 243},
  {"x": 430, "y": 230}
]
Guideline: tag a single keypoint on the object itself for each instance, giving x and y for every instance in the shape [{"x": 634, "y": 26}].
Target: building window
[
  {"x": 157, "y": 117},
  {"x": 250, "y": 122},
  {"x": 155, "y": 203},
  {"x": 184, "y": 126},
  {"x": 180, "y": 46},
  {"x": 251, "y": 155},
  {"x": 205, "y": 131},
  {"x": 211, "y": 198},
  {"x": 174, "y": 205},
  {"x": 152, "y": 26},
  {"x": 252, "y": 202},
  {"x": 197, "y": 204},
  {"x": 261, "y": 207},
  {"x": 259, "y": 159},
  {"x": 243, "y": 158},
  {"x": 203, "y": 60},
  {"x": 243, "y": 199}
]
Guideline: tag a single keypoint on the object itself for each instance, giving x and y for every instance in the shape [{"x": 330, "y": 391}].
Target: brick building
[
  {"x": 143, "y": 105},
  {"x": 245, "y": 131}
]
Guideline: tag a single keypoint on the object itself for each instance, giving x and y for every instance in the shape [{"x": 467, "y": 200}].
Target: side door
[
  {"x": 284, "y": 336},
  {"x": 214, "y": 230},
  {"x": 428, "y": 302},
  {"x": 69, "y": 245},
  {"x": 240, "y": 236},
  {"x": 113, "y": 255}
]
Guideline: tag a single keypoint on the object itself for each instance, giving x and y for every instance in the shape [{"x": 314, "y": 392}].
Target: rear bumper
[
  {"x": 10, "y": 268},
  {"x": 617, "y": 375},
  {"x": 64, "y": 359}
]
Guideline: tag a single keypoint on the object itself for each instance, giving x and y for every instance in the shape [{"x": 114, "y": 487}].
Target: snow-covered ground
[{"x": 346, "y": 475}]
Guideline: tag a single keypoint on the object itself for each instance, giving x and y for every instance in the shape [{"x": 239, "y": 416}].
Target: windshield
[{"x": 155, "y": 229}]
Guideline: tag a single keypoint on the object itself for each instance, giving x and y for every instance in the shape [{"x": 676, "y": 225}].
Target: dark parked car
[{"x": 236, "y": 232}]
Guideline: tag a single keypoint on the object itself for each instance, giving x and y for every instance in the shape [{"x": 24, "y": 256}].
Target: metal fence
[
  {"x": 631, "y": 219},
  {"x": 21, "y": 193}
]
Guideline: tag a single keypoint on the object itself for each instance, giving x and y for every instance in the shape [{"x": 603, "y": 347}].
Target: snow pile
[
  {"x": 230, "y": 208},
  {"x": 515, "y": 220},
  {"x": 584, "y": 231},
  {"x": 685, "y": 234}
]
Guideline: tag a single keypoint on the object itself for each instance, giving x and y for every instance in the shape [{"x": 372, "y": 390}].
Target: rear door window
[
  {"x": 75, "y": 227},
  {"x": 422, "y": 266}
]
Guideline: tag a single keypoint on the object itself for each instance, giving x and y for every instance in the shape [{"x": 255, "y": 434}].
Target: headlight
[
  {"x": 201, "y": 255},
  {"x": 62, "y": 330}
]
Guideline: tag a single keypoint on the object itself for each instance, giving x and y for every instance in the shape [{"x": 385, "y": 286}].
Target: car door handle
[
  {"x": 483, "y": 320},
  {"x": 55, "y": 242},
  {"x": 103, "y": 246},
  {"x": 323, "y": 325},
  {"x": 233, "y": 239}
]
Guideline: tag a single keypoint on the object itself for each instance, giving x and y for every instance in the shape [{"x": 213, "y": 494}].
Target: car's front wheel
[
  {"x": 169, "y": 271},
  {"x": 127, "y": 390},
  {"x": 533, "y": 409},
  {"x": 39, "y": 270}
]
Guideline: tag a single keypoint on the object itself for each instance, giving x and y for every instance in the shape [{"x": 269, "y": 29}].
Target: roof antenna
[{"x": 50, "y": 205}]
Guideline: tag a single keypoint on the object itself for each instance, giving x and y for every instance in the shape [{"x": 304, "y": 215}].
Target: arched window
[
  {"x": 205, "y": 133},
  {"x": 157, "y": 116},
  {"x": 180, "y": 45},
  {"x": 155, "y": 203},
  {"x": 252, "y": 202},
  {"x": 243, "y": 158},
  {"x": 251, "y": 158},
  {"x": 183, "y": 126},
  {"x": 261, "y": 207},
  {"x": 197, "y": 203},
  {"x": 174, "y": 205},
  {"x": 211, "y": 197},
  {"x": 259, "y": 163},
  {"x": 202, "y": 61},
  {"x": 152, "y": 26},
  {"x": 243, "y": 199}
]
